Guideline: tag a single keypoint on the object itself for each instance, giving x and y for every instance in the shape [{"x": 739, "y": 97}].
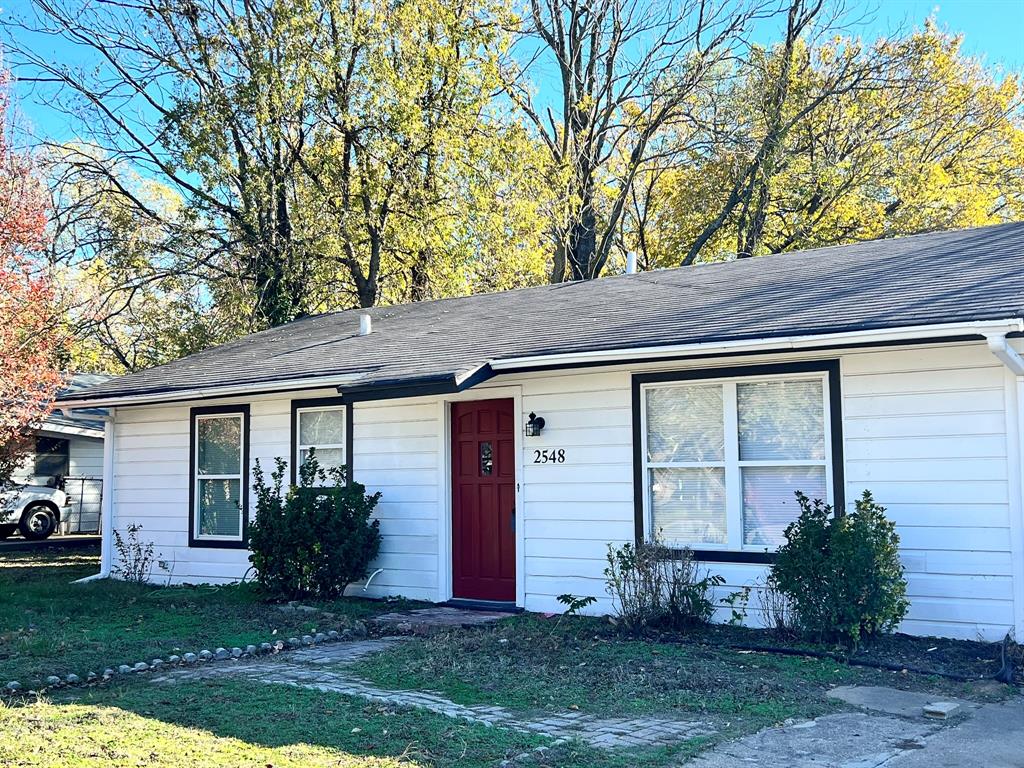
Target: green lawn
[
  {"x": 229, "y": 723},
  {"x": 50, "y": 626},
  {"x": 530, "y": 663}
]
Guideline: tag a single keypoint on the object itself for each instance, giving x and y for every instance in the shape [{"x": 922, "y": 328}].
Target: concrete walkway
[
  {"x": 890, "y": 733},
  {"x": 993, "y": 737}
]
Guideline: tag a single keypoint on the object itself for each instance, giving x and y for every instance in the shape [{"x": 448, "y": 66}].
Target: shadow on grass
[{"x": 228, "y": 722}]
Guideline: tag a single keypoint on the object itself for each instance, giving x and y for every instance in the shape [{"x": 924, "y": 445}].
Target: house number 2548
[{"x": 549, "y": 456}]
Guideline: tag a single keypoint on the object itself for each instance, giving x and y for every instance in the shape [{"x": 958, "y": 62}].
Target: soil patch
[{"x": 970, "y": 659}]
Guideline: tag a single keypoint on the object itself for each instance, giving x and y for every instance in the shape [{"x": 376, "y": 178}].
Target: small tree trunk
[
  {"x": 419, "y": 276},
  {"x": 582, "y": 237}
]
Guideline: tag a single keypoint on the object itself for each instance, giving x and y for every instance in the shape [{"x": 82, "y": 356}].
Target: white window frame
[
  {"x": 240, "y": 477},
  {"x": 732, "y": 464},
  {"x": 300, "y": 447}
]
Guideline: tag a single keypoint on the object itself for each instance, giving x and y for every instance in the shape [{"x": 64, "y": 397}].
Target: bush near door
[
  {"x": 654, "y": 586},
  {"x": 316, "y": 538}
]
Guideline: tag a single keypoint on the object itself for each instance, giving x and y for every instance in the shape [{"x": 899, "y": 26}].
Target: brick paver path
[
  {"x": 306, "y": 668},
  {"x": 438, "y": 618}
]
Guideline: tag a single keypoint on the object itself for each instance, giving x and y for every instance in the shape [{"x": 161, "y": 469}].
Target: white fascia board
[
  {"x": 777, "y": 343},
  {"x": 64, "y": 429},
  {"x": 182, "y": 395}
]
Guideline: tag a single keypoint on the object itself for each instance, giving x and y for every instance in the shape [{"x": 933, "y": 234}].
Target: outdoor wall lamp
[{"x": 534, "y": 425}]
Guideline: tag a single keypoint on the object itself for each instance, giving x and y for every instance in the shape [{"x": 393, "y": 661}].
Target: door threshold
[{"x": 484, "y": 605}]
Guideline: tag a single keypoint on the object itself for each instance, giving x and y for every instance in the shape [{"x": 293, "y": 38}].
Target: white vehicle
[{"x": 35, "y": 510}]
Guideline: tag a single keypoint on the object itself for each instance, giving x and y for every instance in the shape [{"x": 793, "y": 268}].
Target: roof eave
[
  {"x": 971, "y": 330},
  {"x": 67, "y": 429},
  {"x": 157, "y": 397},
  {"x": 453, "y": 383},
  {"x": 419, "y": 387}
]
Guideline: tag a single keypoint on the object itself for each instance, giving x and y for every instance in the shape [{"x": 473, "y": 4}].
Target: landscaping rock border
[{"x": 356, "y": 631}]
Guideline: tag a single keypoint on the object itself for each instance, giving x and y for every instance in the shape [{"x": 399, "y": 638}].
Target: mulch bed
[{"x": 966, "y": 658}]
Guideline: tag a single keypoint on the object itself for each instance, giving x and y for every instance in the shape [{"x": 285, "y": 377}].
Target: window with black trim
[
  {"x": 321, "y": 428},
  {"x": 219, "y": 490},
  {"x": 323, "y": 424},
  {"x": 722, "y": 457}
]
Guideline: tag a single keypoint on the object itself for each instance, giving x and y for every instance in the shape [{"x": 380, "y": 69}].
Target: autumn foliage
[{"x": 28, "y": 344}]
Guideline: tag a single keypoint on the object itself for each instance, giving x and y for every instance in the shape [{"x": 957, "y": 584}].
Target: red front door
[{"x": 483, "y": 501}]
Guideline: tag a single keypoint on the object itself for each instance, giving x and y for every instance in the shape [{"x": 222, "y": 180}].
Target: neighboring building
[
  {"x": 69, "y": 451},
  {"x": 694, "y": 401}
]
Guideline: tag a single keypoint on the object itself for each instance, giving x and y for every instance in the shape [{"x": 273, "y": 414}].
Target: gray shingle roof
[
  {"x": 79, "y": 383},
  {"x": 946, "y": 277}
]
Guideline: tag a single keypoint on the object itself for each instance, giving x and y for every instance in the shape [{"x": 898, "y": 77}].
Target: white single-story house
[
  {"x": 69, "y": 452},
  {"x": 693, "y": 401}
]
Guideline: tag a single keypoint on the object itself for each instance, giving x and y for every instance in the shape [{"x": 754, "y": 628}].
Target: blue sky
[{"x": 992, "y": 29}]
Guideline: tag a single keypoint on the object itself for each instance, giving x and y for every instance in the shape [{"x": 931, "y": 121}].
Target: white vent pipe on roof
[
  {"x": 365, "y": 325},
  {"x": 631, "y": 263}
]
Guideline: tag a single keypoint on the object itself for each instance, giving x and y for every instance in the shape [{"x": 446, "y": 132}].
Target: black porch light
[{"x": 534, "y": 425}]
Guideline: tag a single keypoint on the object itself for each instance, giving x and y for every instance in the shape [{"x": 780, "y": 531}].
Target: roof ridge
[
  {"x": 928, "y": 278},
  {"x": 731, "y": 259}
]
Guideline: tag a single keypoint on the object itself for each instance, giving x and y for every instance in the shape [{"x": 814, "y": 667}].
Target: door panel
[{"x": 483, "y": 500}]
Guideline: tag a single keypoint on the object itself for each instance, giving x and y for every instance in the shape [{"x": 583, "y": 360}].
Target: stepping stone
[
  {"x": 941, "y": 710},
  {"x": 892, "y": 701}
]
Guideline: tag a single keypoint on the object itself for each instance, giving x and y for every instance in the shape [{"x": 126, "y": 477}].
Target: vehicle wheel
[
  {"x": 38, "y": 522},
  {"x": 7, "y": 530}
]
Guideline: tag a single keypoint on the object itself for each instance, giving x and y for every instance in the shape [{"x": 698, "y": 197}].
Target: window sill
[
  {"x": 731, "y": 556},
  {"x": 218, "y": 544}
]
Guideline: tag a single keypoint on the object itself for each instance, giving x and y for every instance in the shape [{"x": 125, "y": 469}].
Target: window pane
[
  {"x": 781, "y": 420},
  {"x": 219, "y": 510},
  {"x": 220, "y": 445},
  {"x": 769, "y": 503},
  {"x": 688, "y": 505},
  {"x": 685, "y": 424},
  {"x": 57, "y": 445},
  {"x": 486, "y": 459},
  {"x": 322, "y": 427},
  {"x": 51, "y": 457},
  {"x": 326, "y": 458}
]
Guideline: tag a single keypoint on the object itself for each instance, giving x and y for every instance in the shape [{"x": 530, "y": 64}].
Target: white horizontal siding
[
  {"x": 395, "y": 452},
  {"x": 151, "y": 481},
  {"x": 925, "y": 429},
  {"x": 926, "y": 433},
  {"x": 573, "y": 510}
]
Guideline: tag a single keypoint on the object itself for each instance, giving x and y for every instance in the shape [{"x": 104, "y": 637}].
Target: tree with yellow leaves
[{"x": 906, "y": 135}]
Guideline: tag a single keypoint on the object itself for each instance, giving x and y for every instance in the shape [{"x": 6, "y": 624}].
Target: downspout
[
  {"x": 1014, "y": 362},
  {"x": 107, "y": 505},
  {"x": 1000, "y": 347}
]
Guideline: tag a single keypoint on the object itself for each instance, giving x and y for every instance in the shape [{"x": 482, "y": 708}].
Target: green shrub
[
  {"x": 312, "y": 540},
  {"x": 841, "y": 575},
  {"x": 654, "y": 586}
]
